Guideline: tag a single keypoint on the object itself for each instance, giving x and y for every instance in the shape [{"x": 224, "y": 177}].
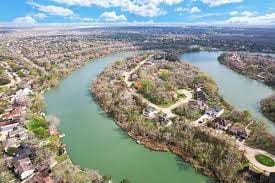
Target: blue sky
[{"x": 206, "y": 12}]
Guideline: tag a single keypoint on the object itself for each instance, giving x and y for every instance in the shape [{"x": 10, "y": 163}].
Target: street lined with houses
[{"x": 211, "y": 114}]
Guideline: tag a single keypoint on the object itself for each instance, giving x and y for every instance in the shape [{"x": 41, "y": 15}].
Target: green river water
[
  {"x": 240, "y": 91},
  {"x": 94, "y": 141}
]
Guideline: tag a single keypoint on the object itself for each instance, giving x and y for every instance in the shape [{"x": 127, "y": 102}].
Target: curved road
[{"x": 249, "y": 152}]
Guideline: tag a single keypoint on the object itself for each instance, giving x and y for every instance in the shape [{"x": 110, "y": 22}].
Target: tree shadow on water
[
  {"x": 122, "y": 133},
  {"x": 185, "y": 166},
  {"x": 182, "y": 165}
]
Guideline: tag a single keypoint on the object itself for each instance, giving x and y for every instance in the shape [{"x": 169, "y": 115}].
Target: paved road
[
  {"x": 168, "y": 110},
  {"x": 188, "y": 97},
  {"x": 249, "y": 152},
  {"x": 204, "y": 117},
  {"x": 128, "y": 74}
]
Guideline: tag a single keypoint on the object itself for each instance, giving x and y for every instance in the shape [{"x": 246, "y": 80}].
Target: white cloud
[
  {"x": 146, "y": 8},
  {"x": 81, "y": 19},
  {"x": 234, "y": 13},
  {"x": 194, "y": 9},
  {"x": 169, "y": 2},
  {"x": 244, "y": 13},
  {"x": 39, "y": 16},
  {"x": 113, "y": 17},
  {"x": 26, "y": 20},
  {"x": 246, "y": 18},
  {"x": 53, "y": 10},
  {"x": 219, "y": 2},
  {"x": 247, "y": 13}
]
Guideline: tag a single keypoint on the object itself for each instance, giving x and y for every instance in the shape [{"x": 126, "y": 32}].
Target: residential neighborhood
[
  {"x": 18, "y": 155},
  {"x": 197, "y": 109},
  {"x": 67, "y": 92}
]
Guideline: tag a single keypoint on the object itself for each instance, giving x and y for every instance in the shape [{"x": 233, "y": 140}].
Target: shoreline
[
  {"x": 229, "y": 61},
  {"x": 42, "y": 91},
  {"x": 155, "y": 139},
  {"x": 155, "y": 146}
]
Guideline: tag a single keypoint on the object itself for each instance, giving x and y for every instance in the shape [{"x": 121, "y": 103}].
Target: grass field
[{"x": 265, "y": 160}]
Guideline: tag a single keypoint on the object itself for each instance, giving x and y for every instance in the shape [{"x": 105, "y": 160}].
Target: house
[
  {"x": 149, "y": 112},
  {"x": 20, "y": 96},
  {"x": 23, "y": 92},
  {"x": 164, "y": 120},
  {"x": 238, "y": 131},
  {"x": 23, "y": 168},
  {"x": 17, "y": 131},
  {"x": 52, "y": 130},
  {"x": 15, "y": 113},
  {"x": 221, "y": 123},
  {"x": 214, "y": 111},
  {"x": 10, "y": 142},
  {"x": 23, "y": 136},
  {"x": 4, "y": 130},
  {"x": 40, "y": 178},
  {"x": 4, "y": 122},
  {"x": 24, "y": 150},
  {"x": 197, "y": 104},
  {"x": 43, "y": 175},
  {"x": 201, "y": 95}
]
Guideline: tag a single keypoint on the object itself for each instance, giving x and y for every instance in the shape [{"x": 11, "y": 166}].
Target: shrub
[
  {"x": 4, "y": 81},
  {"x": 11, "y": 151},
  {"x": 38, "y": 126}
]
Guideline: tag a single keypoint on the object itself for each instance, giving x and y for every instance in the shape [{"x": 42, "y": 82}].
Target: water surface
[
  {"x": 95, "y": 142},
  {"x": 238, "y": 90}
]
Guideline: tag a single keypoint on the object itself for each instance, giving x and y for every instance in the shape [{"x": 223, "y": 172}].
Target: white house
[{"x": 4, "y": 130}]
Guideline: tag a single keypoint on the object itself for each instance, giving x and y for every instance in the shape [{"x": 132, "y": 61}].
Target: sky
[{"x": 193, "y": 12}]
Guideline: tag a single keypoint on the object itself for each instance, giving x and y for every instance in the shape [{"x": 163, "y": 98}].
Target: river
[
  {"x": 94, "y": 141},
  {"x": 240, "y": 91}
]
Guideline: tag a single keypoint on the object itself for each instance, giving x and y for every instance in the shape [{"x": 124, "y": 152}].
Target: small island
[{"x": 169, "y": 105}]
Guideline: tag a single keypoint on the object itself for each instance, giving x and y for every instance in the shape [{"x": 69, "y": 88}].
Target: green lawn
[
  {"x": 38, "y": 126},
  {"x": 168, "y": 104},
  {"x": 265, "y": 160}
]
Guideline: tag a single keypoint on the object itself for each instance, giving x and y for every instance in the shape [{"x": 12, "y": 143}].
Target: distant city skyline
[{"x": 185, "y": 12}]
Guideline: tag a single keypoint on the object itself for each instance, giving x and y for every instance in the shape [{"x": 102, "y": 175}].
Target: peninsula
[
  {"x": 165, "y": 104},
  {"x": 169, "y": 105}
]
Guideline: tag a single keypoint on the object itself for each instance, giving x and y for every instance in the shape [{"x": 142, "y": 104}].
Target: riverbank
[
  {"x": 232, "y": 85},
  {"x": 257, "y": 67},
  {"x": 109, "y": 149},
  {"x": 76, "y": 172},
  {"x": 155, "y": 146},
  {"x": 41, "y": 134},
  {"x": 177, "y": 137},
  {"x": 268, "y": 107}
]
